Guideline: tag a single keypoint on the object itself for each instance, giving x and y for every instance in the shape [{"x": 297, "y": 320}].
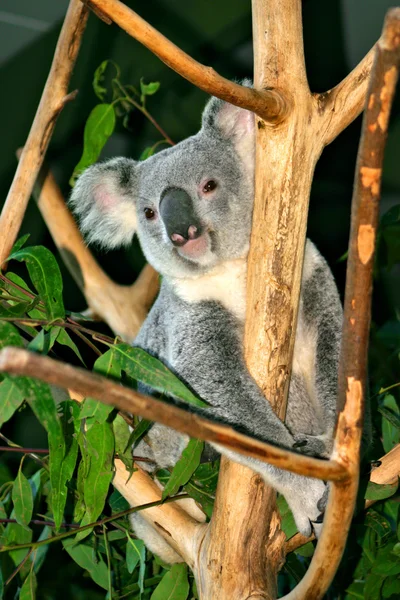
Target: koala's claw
[
  {"x": 307, "y": 503},
  {"x": 311, "y": 445}
]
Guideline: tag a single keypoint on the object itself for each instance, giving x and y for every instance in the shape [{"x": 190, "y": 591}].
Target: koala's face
[{"x": 191, "y": 204}]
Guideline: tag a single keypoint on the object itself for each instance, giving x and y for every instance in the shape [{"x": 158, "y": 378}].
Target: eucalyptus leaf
[
  {"x": 122, "y": 447},
  {"x": 40, "y": 343},
  {"x": 19, "y": 243},
  {"x": 84, "y": 556},
  {"x": 46, "y": 277},
  {"x": 145, "y": 368},
  {"x": 107, "y": 365},
  {"x": 28, "y": 590},
  {"x": 22, "y": 499},
  {"x": 10, "y": 399},
  {"x": 99, "y": 444},
  {"x": 99, "y": 127},
  {"x": 378, "y": 523},
  {"x": 148, "y": 89},
  {"x": 136, "y": 553},
  {"x": 376, "y": 491},
  {"x": 184, "y": 468},
  {"x": 62, "y": 337},
  {"x": 174, "y": 585},
  {"x": 390, "y": 416},
  {"x": 390, "y": 433}
]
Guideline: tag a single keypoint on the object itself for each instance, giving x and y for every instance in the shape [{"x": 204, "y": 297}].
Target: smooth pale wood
[
  {"x": 124, "y": 308},
  {"x": 388, "y": 471},
  {"x": 54, "y": 97},
  {"x": 17, "y": 361},
  {"x": 171, "y": 521}
]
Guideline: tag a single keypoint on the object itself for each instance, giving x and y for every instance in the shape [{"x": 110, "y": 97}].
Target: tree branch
[
  {"x": 270, "y": 105},
  {"x": 124, "y": 308},
  {"x": 54, "y": 97},
  {"x": 17, "y": 361},
  {"x": 357, "y": 311},
  {"x": 342, "y": 104}
]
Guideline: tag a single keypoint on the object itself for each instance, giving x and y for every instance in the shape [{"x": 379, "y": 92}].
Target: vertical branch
[
  {"x": 357, "y": 310},
  {"x": 287, "y": 150},
  {"x": 54, "y": 97}
]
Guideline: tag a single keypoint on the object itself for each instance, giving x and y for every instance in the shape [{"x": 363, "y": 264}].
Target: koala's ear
[
  {"x": 104, "y": 201},
  {"x": 232, "y": 123}
]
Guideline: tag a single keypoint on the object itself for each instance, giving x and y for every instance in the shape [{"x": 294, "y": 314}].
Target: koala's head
[{"x": 191, "y": 205}]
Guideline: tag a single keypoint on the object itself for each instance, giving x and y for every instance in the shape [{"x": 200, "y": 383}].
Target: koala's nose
[{"x": 180, "y": 220}]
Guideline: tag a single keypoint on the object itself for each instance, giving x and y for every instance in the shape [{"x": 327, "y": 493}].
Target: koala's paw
[
  {"x": 312, "y": 445},
  {"x": 307, "y": 502}
]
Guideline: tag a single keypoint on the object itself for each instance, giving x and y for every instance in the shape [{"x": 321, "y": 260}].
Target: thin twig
[
  {"x": 119, "y": 515},
  {"x": 24, "y": 450}
]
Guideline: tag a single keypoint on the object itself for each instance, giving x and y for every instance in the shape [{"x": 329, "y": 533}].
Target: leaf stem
[{"x": 113, "y": 517}]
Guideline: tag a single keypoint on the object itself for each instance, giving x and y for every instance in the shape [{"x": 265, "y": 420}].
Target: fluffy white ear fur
[
  {"x": 105, "y": 208},
  {"x": 235, "y": 124}
]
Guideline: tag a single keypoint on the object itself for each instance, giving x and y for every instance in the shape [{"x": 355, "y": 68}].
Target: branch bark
[
  {"x": 124, "y": 308},
  {"x": 271, "y": 105},
  {"x": 17, "y": 361},
  {"x": 54, "y": 97},
  {"x": 357, "y": 311}
]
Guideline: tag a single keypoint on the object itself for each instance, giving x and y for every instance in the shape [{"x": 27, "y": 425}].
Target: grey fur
[{"x": 196, "y": 324}]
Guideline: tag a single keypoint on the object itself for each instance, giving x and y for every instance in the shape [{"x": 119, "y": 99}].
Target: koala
[{"x": 191, "y": 207}]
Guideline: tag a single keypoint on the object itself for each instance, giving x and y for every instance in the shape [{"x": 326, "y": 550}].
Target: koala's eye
[
  {"x": 149, "y": 213},
  {"x": 209, "y": 186}
]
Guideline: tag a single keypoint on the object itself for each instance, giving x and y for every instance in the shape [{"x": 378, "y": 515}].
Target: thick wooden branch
[
  {"x": 54, "y": 97},
  {"x": 271, "y": 105},
  {"x": 124, "y": 308},
  {"x": 357, "y": 311},
  {"x": 342, "y": 104},
  {"x": 21, "y": 362}
]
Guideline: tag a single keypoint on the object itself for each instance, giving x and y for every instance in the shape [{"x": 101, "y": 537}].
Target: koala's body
[{"x": 191, "y": 206}]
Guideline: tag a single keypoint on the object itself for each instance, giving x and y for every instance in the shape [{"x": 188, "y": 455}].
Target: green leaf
[
  {"x": 391, "y": 435},
  {"x": 391, "y": 587},
  {"x": 99, "y": 447},
  {"x": 148, "y": 89},
  {"x": 19, "y": 243},
  {"x": 376, "y": 491},
  {"x": 117, "y": 502},
  {"x": 99, "y": 127},
  {"x": 28, "y": 590},
  {"x": 372, "y": 588},
  {"x": 136, "y": 552},
  {"x": 141, "y": 366},
  {"x": 40, "y": 399},
  {"x": 174, "y": 585},
  {"x": 10, "y": 400},
  {"x": 356, "y": 590},
  {"x": 147, "y": 152},
  {"x": 288, "y": 524},
  {"x": 62, "y": 337},
  {"x": 99, "y": 77},
  {"x": 184, "y": 468},
  {"x": 14, "y": 534},
  {"x": 85, "y": 557},
  {"x": 378, "y": 523},
  {"x": 122, "y": 446},
  {"x": 140, "y": 430},
  {"x": 46, "y": 277},
  {"x": 22, "y": 499},
  {"x": 93, "y": 410},
  {"x": 390, "y": 416},
  {"x": 386, "y": 562},
  {"x": 40, "y": 343}
]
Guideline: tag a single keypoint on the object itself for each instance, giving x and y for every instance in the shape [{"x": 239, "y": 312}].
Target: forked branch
[
  {"x": 54, "y": 97},
  {"x": 21, "y": 362}
]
